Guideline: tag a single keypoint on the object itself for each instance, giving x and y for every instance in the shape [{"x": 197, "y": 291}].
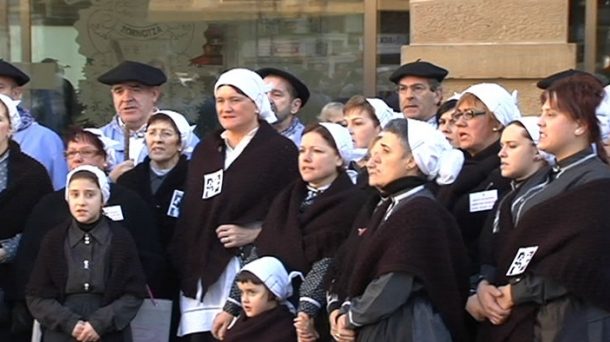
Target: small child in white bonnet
[{"x": 267, "y": 316}]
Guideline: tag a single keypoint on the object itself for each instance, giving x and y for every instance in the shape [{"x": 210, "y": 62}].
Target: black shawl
[
  {"x": 572, "y": 232},
  {"x": 275, "y": 325},
  {"x": 124, "y": 274},
  {"x": 52, "y": 210},
  {"x": 479, "y": 173},
  {"x": 264, "y": 168},
  {"x": 419, "y": 238},
  {"x": 314, "y": 234},
  {"x": 138, "y": 180},
  {"x": 27, "y": 182}
]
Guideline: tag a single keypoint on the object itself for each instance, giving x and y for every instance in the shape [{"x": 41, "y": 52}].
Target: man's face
[
  {"x": 281, "y": 97},
  {"x": 417, "y": 100},
  {"x": 9, "y": 87},
  {"x": 134, "y": 102}
]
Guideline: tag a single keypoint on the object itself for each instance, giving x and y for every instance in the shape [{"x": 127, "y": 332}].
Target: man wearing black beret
[
  {"x": 135, "y": 89},
  {"x": 419, "y": 89},
  {"x": 288, "y": 95},
  {"x": 35, "y": 140}
]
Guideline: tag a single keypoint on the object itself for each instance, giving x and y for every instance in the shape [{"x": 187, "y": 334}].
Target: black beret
[
  {"x": 297, "y": 84},
  {"x": 9, "y": 70},
  {"x": 419, "y": 69},
  {"x": 547, "y": 81},
  {"x": 130, "y": 71}
]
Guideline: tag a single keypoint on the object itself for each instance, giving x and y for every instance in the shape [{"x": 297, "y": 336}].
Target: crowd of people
[{"x": 452, "y": 219}]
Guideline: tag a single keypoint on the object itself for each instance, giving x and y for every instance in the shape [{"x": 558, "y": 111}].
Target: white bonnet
[
  {"x": 13, "y": 113},
  {"x": 433, "y": 155},
  {"x": 531, "y": 126},
  {"x": 342, "y": 139},
  {"x": 603, "y": 114},
  {"x": 500, "y": 102},
  {"x": 183, "y": 126},
  {"x": 102, "y": 180},
  {"x": 272, "y": 273},
  {"x": 383, "y": 112},
  {"x": 251, "y": 84}
]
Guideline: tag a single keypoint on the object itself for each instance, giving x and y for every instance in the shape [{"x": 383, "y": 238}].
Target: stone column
[{"x": 511, "y": 42}]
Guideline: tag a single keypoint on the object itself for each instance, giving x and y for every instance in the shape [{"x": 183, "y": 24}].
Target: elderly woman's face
[
  {"x": 162, "y": 141},
  {"x": 236, "y": 112},
  {"x": 477, "y": 133},
  {"x": 389, "y": 160}
]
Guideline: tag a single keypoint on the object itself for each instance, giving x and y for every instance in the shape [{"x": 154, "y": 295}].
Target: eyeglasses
[
  {"x": 415, "y": 88},
  {"x": 87, "y": 153},
  {"x": 467, "y": 115}
]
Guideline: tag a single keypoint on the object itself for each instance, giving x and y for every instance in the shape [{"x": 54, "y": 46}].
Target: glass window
[{"x": 193, "y": 41}]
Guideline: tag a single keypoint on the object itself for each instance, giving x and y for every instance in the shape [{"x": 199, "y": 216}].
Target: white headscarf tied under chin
[
  {"x": 273, "y": 274},
  {"x": 251, "y": 84}
]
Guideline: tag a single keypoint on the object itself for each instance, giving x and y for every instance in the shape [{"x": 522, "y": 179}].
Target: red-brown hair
[{"x": 579, "y": 96}]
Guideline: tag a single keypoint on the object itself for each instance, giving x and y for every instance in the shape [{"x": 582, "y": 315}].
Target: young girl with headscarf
[{"x": 87, "y": 283}]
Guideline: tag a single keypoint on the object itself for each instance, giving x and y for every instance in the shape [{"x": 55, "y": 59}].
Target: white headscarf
[
  {"x": 102, "y": 181},
  {"x": 342, "y": 139},
  {"x": 251, "y": 84},
  {"x": 383, "y": 112},
  {"x": 502, "y": 104},
  {"x": 434, "y": 156},
  {"x": 184, "y": 129},
  {"x": 13, "y": 113},
  {"x": 603, "y": 114},
  {"x": 273, "y": 274},
  {"x": 531, "y": 126}
]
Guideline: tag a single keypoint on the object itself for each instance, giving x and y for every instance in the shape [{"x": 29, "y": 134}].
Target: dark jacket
[
  {"x": 562, "y": 294},
  {"x": 263, "y": 169},
  {"x": 314, "y": 234},
  {"x": 53, "y": 210},
  {"x": 426, "y": 246},
  {"x": 138, "y": 180},
  {"x": 479, "y": 173},
  {"x": 27, "y": 182}
]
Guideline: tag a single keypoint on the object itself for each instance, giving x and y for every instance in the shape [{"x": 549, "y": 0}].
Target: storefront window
[
  {"x": 72, "y": 42},
  {"x": 578, "y": 28}
]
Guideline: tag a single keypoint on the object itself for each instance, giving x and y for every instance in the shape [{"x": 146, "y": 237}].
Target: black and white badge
[
  {"x": 174, "y": 206},
  {"x": 212, "y": 184},
  {"x": 522, "y": 259}
]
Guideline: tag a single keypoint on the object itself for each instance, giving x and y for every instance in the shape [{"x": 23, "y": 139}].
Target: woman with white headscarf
[
  {"x": 552, "y": 257},
  {"x": 400, "y": 276},
  {"x": 23, "y": 181},
  {"x": 520, "y": 160},
  {"x": 311, "y": 217},
  {"x": 87, "y": 283},
  {"x": 233, "y": 176},
  {"x": 481, "y": 113},
  {"x": 160, "y": 181}
]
